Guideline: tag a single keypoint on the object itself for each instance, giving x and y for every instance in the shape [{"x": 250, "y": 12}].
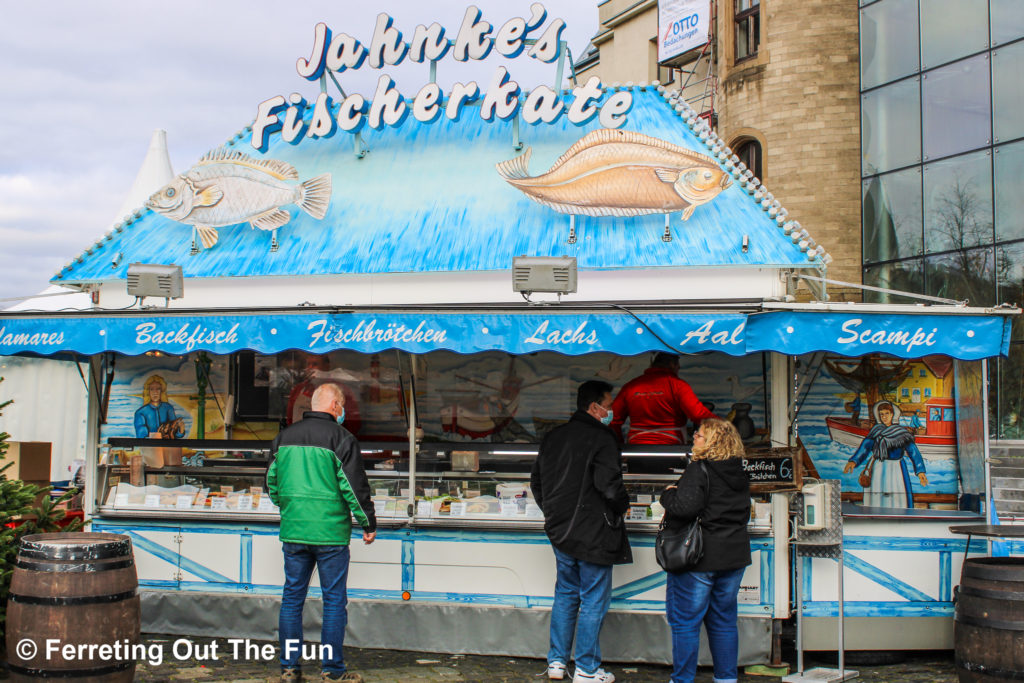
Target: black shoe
[{"x": 347, "y": 676}]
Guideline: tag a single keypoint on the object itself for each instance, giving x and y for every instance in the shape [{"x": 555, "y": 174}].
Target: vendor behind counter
[{"x": 658, "y": 405}]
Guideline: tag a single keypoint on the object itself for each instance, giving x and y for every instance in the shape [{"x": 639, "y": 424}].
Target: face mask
[
  {"x": 341, "y": 418},
  {"x": 607, "y": 419}
]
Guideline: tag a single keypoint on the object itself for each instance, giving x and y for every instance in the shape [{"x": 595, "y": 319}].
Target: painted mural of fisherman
[
  {"x": 889, "y": 451},
  {"x": 156, "y": 418}
]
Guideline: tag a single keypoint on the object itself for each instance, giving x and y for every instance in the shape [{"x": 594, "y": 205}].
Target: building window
[
  {"x": 906, "y": 392},
  {"x": 666, "y": 74},
  {"x": 749, "y": 152},
  {"x": 891, "y": 212},
  {"x": 747, "y": 17}
]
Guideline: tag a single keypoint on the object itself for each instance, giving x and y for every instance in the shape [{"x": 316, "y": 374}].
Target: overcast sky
[{"x": 85, "y": 84}]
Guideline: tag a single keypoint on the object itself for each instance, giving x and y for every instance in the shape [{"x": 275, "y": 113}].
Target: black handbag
[{"x": 680, "y": 551}]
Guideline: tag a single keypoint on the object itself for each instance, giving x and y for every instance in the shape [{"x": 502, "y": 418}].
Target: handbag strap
[
  {"x": 707, "y": 499},
  {"x": 707, "y": 479}
]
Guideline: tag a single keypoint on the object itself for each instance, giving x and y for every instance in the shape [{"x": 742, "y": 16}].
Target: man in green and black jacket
[{"x": 316, "y": 477}]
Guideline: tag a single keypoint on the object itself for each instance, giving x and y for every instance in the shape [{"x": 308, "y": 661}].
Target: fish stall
[{"x": 459, "y": 262}]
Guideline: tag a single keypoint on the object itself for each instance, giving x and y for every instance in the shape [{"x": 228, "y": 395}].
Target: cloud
[{"x": 86, "y": 83}]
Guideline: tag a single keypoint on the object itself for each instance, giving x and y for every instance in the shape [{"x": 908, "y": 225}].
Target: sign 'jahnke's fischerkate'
[{"x": 388, "y": 107}]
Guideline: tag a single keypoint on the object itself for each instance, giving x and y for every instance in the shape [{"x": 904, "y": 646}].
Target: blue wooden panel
[
  {"x": 623, "y": 597},
  {"x": 245, "y": 562},
  {"x": 874, "y": 608},
  {"x": 172, "y": 556},
  {"x": 767, "y": 577},
  {"x": 945, "y": 577},
  {"x": 428, "y": 198},
  {"x": 408, "y": 565},
  {"x": 642, "y": 585},
  {"x": 918, "y": 603},
  {"x": 884, "y": 579}
]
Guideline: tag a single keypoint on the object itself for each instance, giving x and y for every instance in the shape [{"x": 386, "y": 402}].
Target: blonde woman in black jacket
[{"x": 715, "y": 488}]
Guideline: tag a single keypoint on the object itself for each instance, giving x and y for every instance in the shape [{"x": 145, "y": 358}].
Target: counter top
[{"x": 852, "y": 511}]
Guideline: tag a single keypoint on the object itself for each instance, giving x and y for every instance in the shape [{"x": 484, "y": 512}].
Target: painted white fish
[{"x": 226, "y": 188}]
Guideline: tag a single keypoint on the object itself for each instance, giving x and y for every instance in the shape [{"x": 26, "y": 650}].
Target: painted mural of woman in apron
[{"x": 887, "y": 449}]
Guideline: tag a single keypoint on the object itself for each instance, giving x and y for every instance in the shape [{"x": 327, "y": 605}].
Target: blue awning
[
  {"x": 965, "y": 337},
  {"x": 908, "y": 335}
]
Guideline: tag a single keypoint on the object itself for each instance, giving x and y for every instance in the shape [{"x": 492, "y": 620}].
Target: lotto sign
[{"x": 682, "y": 26}]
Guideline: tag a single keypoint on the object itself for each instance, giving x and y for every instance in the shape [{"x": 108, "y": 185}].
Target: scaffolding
[{"x": 699, "y": 87}]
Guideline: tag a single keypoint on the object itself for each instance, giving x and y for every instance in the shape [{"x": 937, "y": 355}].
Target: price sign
[
  {"x": 769, "y": 470},
  {"x": 509, "y": 508},
  {"x": 644, "y": 499},
  {"x": 637, "y": 513},
  {"x": 245, "y": 502},
  {"x": 458, "y": 510},
  {"x": 424, "y": 508},
  {"x": 152, "y": 500},
  {"x": 266, "y": 505},
  {"x": 183, "y": 503},
  {"x": 380, "y": 492},
  {"x": 219, "y": 503},
  {"x": 379, "y": 507},
  {"x": 533, "y": 510},
  {"x": 120, "y": 500}
]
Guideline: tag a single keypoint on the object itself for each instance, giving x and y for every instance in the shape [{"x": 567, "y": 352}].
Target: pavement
[
  {"x": 170, "y": 659},
  {"x": 256, "y": 661}
]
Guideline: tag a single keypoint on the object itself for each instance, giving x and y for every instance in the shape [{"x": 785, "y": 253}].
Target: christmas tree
[{"x": 21, "y": 515}]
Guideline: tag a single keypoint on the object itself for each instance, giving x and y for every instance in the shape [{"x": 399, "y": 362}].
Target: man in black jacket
[{"x": 577, "y": 481}]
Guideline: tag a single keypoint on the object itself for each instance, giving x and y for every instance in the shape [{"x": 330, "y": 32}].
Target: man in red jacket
[{"x": 658, "y": 404}]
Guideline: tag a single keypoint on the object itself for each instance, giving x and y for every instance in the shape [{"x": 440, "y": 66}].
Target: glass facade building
[{"x": 942, "y": 162}]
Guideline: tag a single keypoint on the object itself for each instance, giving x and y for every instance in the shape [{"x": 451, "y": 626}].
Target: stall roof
[
  {"x": 429, "y": 198},
  {"x": 736, "y": 329}
]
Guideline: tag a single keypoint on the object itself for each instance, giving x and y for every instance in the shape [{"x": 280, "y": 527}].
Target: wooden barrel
[
  {"x": 73, "y": 611},
  {"x": 989, "y": 628}
]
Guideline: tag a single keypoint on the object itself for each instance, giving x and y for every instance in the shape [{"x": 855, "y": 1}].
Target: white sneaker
[
  {"x": 599, "y": 676},
  {"x": 556, "y": 671}
]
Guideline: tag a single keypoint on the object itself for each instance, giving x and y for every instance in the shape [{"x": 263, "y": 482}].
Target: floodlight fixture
[
  {"x": 544, "y": 274},
  {"x": 154, "y": 279}
]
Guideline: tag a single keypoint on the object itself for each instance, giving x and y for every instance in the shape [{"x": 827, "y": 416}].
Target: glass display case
[
  {"x": 487, "y": 487},
  {"x": 184, "y": 478}
]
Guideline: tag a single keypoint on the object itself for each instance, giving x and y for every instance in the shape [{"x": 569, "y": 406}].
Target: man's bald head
[{"x": 328, "y": 398}]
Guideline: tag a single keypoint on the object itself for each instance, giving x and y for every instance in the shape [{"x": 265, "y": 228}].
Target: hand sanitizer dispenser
[{"x": 817, "y": 507}]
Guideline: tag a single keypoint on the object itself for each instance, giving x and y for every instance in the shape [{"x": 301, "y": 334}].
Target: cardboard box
[{"x": 31, "y": 461}]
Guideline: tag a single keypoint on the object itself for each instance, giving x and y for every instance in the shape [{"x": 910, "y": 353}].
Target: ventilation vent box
[
  {"x": 150, "y": 279},
  {"x": 544, "y": 274}
]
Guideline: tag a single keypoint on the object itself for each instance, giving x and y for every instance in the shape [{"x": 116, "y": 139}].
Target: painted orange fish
[{"x": 620, "y": 173}]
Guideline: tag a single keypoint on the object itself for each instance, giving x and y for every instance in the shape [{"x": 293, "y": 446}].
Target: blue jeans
[
  {"x": 331, "y": 562},
  {"x": 709, "y": 597},
  {"x": 583, "y": 592}
]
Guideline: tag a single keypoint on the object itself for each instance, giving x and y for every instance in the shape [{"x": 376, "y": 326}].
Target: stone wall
[{"x": 799, "y": 97}]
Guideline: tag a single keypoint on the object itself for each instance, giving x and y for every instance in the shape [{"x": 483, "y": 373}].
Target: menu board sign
[{"x": 770, "y": 469}]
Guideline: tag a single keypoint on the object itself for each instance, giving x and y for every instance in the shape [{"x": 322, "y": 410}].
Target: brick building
[{"x": 784, "y": 95}]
